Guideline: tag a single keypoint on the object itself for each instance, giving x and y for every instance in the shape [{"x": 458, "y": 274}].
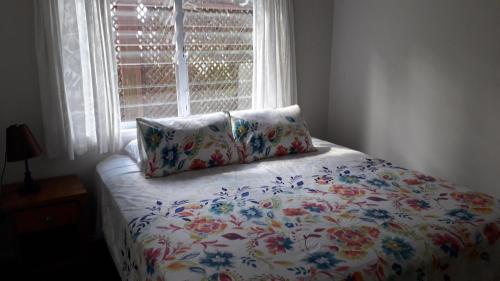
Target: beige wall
[{"x": 418, "y": 83}]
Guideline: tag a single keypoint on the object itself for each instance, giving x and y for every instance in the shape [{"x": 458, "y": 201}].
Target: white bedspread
[{"x": 342, "y": 195}]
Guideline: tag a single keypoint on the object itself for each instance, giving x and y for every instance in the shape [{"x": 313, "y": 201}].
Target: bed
[{"x": 334, "y": 214}]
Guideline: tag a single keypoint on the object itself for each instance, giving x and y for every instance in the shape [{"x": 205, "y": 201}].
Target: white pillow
[{"x": 132, "y": 150}]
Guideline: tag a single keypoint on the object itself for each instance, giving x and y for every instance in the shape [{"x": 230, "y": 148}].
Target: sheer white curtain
[
  {"x": 274, "y": 82},
  {"x": 78, "y": 80}
]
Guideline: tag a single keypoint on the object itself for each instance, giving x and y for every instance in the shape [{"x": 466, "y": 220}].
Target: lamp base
[{"x": 30, "y": 185}]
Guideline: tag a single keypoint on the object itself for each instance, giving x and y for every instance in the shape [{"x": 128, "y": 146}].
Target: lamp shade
[{"x": 21, "y": 144}]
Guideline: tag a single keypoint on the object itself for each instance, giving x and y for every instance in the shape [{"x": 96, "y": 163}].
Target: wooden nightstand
[
  {"x": 46, "y": 229},
  {"x": 61, "y": 201}
]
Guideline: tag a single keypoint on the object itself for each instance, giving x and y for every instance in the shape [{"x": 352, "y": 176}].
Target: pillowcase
[
  {"x": 177, "y": 144},
  {"x": 268, "y": 133},
  {"x": 132, "y": 151}
]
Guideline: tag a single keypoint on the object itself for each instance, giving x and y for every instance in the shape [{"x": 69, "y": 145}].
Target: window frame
[
  {"x": 182, "y": 79},
  {"x": 181, "y": 67}
]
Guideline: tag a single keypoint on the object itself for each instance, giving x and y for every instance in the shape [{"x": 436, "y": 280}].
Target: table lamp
[{"x": 21, "y": 146}]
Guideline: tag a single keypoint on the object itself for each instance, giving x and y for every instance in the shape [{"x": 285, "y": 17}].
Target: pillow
[
  {"x": 132, "y": 151},
  {"x": 177, "y": 144},
  {"x": 268, "y": 133}
]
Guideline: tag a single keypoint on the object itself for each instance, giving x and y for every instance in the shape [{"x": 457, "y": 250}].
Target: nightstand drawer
[{"x": 46, "y": 217}]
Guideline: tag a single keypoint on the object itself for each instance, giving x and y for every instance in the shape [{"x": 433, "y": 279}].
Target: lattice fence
[
  {"x": 219, "y": 50},
  {"x": 218, "y": 45},
  {"x": 145, "y": 50}
]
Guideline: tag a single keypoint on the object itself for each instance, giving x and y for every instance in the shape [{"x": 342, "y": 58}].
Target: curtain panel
[
  {"x": 274, "y": 81},
  {"x": 78, "y": 77},
  {"x": 77, "y": 74}
]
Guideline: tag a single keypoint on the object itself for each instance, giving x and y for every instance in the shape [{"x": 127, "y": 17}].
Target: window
[{"x": 213, "y": 74}]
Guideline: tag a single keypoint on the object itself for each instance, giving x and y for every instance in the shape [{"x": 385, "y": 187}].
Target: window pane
[
  {"x": 219, "y": 43},
  {"x": 145, "y": 51}
]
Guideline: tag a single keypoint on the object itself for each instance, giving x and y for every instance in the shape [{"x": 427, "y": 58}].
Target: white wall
[
  {"x": 19, "y": 93},
  {"x": 20, "y": 99},
  {"x": 415, "y": 82},
  {"x": 313, "y": 37},
  {"x": 418, "y": 83}
]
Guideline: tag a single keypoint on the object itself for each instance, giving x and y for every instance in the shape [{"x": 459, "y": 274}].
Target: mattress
[{"x": 334, "y": 214}]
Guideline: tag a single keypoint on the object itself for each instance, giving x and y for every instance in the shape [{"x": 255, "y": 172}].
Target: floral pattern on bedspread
[{"x": 364, "y": 221}]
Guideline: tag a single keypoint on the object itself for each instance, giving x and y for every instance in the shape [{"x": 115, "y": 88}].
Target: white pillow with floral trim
[
  {"x": 268, "y": 133},
  {"x": 177, "y": 144}
]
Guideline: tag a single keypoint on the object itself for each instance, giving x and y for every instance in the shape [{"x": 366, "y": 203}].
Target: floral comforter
[{"x": 320, "y": 218}]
